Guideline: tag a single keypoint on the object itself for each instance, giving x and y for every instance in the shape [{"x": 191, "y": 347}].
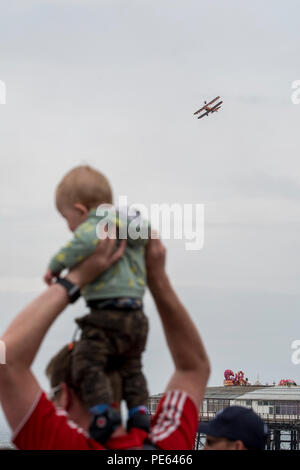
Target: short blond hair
[{"x": 85, "y": 185}]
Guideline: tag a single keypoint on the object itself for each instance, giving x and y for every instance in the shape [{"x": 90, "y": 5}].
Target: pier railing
[{"x": 268, "y": 418}]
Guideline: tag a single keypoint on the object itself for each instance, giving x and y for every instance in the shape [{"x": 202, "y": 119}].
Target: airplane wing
[
  {"x": 218, "y": 105},
  {"x": 202, "y": 115},
  {"x": 201, "y": 109},
  {"x": 207, "y": 104},
  {"x": 216, "y": 109}
]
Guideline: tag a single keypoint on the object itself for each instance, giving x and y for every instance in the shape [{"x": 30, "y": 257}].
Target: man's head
[
  {"x": 65, "y": 393},
  {"x": 59, "y": 373},
  {"x": 235, "y": 428},
  {"x": 81, "y": 189}
]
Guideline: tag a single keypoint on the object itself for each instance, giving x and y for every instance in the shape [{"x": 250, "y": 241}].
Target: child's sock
[
  {"x": 138, "y": 409},
  {"x": 138, "y": 418},
  {"x": 105, "y": 420},
  {"x": 98, "y": 409}
]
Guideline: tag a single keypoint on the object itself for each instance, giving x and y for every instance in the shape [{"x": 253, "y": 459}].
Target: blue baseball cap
[{"x": 237, "y": 424}]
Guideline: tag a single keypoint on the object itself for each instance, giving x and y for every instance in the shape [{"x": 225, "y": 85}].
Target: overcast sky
[{"x": 114, "y": 83}]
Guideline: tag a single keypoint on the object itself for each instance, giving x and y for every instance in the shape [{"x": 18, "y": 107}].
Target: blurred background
[{"x": 114, "y": 84}]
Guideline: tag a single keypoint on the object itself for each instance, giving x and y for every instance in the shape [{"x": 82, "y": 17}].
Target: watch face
[
  {"x": 74, "y": 293},
  {"x": 74, "y": 290}
]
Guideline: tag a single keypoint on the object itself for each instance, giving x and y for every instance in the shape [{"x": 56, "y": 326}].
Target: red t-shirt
[{"x": 174, "y": 426}]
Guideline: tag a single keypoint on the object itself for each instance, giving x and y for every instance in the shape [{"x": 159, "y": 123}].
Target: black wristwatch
[{"x": 72, "y": 290}]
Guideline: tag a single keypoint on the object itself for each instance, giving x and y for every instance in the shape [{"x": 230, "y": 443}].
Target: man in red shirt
[{"x": 38, "y": 424}]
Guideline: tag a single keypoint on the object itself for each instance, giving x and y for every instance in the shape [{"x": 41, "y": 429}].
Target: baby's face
[{"x": 73, "y": 216}]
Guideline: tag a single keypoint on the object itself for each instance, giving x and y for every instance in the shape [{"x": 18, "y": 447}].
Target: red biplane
[{"x": 208, "y": 108}]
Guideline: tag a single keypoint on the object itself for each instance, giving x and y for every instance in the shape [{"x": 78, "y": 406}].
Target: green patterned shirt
[{"x": 126, "y": 278}]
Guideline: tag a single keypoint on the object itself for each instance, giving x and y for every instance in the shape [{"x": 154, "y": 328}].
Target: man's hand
[{"x": 104, "y": 257}]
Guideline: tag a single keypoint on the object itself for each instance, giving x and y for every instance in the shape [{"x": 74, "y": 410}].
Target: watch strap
[{"x": 72, "y": 289}]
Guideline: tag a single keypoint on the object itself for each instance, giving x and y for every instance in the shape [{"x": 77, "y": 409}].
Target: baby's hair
[{"x": 84, "y": 185}]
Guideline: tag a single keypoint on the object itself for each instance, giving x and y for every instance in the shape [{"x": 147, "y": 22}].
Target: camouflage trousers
[{"x": 111, "y": 340}]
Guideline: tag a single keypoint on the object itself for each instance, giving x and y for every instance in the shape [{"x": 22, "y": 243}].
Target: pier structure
[{"x": 278, "y": 406}]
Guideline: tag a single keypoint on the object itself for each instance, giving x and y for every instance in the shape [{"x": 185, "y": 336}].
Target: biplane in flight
[{"x": 208, "y": 108}]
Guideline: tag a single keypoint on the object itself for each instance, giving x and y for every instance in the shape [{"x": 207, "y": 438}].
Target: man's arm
[
  {"x": 18, "y": 386},
  {"x": 22, "y": 339},
  {"x": 191, "y": 362}
]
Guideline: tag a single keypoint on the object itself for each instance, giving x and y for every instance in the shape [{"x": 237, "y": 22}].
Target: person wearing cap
[{"x": 235, "y": 428}]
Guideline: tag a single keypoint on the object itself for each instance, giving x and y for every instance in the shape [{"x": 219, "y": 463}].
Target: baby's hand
[{"x": 48, "y": 277}]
